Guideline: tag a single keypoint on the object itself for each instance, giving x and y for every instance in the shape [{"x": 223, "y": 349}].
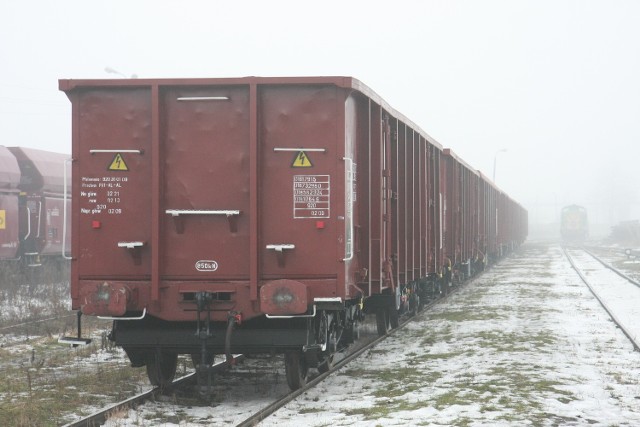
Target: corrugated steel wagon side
[
  {"x": 461, "y": 194},
  {"x": 402, "y": 173}
]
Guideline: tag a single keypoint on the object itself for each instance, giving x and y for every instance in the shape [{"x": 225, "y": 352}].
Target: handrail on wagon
[
  {"x": 230, "y": 214},
  {"x": 311, "y": 150},
  {"x": 135, "y": 249},
  {"x": 144, "y": 313},
  {"x": 64, "y": 210},
  {"x": 28, "y": 225},
  {"x": 203, "y": 98},
  {"x": 39, "y": 219},
  {"x": 130, "y": 245},
  {"x": 95, "y": 151},
  {"x": 291, "y": 316},
  {"x": 281, "y": 247},
  {"x": 178, "y": 212},
  {"x": 349, "y": 249}
]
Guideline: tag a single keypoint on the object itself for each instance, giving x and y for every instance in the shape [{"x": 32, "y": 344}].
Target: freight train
[
  {"x": 265, "y": 215},
  {"x": 574, "y": 226},
  {"x": 33, "y": 229}
]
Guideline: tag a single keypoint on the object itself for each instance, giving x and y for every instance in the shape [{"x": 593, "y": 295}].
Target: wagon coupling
[
  {"x": 204, "y": 377},
  {"x": 203, "y": 299}
]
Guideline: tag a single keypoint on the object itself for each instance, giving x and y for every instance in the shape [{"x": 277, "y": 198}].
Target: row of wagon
[{"x": 265, "y": 215}]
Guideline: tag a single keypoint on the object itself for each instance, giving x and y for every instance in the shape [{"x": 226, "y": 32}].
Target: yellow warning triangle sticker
[
  {"x": 301, "y": 161},
  {"x": 118, "y": 164}
]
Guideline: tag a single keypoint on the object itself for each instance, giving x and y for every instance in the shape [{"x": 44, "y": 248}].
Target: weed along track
[{"x": 100, "y": 417}]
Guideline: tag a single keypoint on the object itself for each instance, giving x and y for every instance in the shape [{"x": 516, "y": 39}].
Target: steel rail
[
  {"x": 32, "y": 322},
  {"x": 612, "y": 268},
  {"x": 100, "y": 417},
  {"x": 618, "y": 323}
]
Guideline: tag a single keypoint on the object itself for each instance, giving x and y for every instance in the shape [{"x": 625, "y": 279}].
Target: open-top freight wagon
[{"x": 264, "y": 215}]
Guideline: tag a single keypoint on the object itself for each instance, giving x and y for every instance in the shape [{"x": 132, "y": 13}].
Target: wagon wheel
[
  {"x": 296, "y": 369},
  {"x": 161, "y": 367},
  {"x": 382, "y": 321}
]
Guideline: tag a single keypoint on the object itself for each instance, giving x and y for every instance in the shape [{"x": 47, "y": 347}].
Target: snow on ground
[
  {"x": 614, "y": 290},
  {"x": 526, "y": 344}
]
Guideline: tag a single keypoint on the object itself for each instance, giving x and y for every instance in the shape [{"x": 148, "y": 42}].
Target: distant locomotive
[
  {"x": 265, "y": 215},
  {"x": 574, "y": 226},
  {"x": 32, "y": 207}
]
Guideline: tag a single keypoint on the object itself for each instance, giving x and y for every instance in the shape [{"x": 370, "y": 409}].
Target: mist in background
[{"x": 548, "y": 91}]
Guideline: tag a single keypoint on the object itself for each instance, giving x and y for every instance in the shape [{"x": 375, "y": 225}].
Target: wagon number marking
[{"x": 311, "y": 196}]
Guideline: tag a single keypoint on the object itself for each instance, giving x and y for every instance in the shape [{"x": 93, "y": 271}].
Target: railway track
[
  {"x": 100, "y": 417},
  {"x": 30, "y": 322},
  {"x": 354, "y": 354},
  {"x": 614, "y": 290},
  {"x": 364, "y": 344}
]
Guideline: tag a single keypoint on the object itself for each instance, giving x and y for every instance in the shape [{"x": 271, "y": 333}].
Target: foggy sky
[{"x": 555, "y": 83}]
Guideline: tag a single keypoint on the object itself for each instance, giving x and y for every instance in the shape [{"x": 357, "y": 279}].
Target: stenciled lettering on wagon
[
  {"x": 102, "y": 194},
  {"x": 311, "y": 196},
  {"x": 206, "y": 265}
]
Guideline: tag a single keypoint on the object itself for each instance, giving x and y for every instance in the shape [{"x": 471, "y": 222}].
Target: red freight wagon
[
  {"x": 9, "y": 217},
  {"x": 518, "y": 221},
  {"x": 415, "y": 232},
  {"x": 504, "y": 218},
  {"x": 523, "y": 225},
  {"x": 42, "y": 204},
  {"x": 487, "y": 232},
  {"x": 250, "y": 215},
  {"x": 461, "y": 212}
]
